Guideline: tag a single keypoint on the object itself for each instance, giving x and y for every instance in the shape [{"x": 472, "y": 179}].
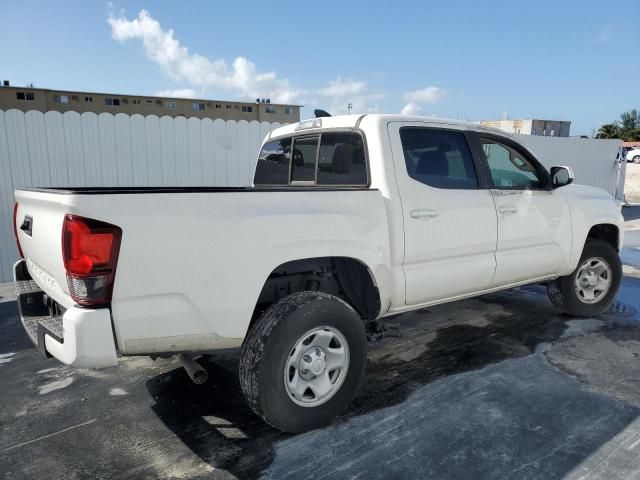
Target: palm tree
[
  {"x": 609, "y": 130},
  {"x": 627, "y": 128}
]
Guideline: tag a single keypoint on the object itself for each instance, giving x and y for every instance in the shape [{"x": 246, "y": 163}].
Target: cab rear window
[
  {"x": 273, "y": 163},
  {"x": 327, "y": 159}
]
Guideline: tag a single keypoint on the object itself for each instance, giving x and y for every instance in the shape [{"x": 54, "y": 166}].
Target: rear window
[
  {"x": 273, "y": 163},
  {"x": 332, "y": 158},
  {"x": 341, "y": 160},
  {"x": 305, "y": 150}
]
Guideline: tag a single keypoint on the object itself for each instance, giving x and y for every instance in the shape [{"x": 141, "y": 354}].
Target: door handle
[
  {"x": 424, "y": 213},
  {"x": 508, "y": 209}
]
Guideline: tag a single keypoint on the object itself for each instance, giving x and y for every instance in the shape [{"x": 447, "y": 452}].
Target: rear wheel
[
  {"x": 592, "y": 287},
  {"x": 636, "y": 159},
  {"x": 303, "y": 361}
]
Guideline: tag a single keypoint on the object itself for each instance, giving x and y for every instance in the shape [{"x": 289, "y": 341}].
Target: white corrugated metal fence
[{"x": 88, "y": 150}]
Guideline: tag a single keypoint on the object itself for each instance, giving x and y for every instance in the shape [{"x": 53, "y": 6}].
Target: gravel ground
[
  {"x": 500, "y": 386},
  {"x": 632, "y": 183}
]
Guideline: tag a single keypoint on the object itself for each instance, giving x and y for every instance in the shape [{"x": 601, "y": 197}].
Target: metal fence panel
[
  {"x": 72, "y": 149},
  {"x": 89, "y": 150}
]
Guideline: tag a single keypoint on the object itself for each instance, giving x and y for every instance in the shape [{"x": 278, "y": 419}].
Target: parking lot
[{"x": 495, "y": 387}]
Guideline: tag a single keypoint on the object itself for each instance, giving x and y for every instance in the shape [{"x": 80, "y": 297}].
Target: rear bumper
[{"x": 80, "y": 337}]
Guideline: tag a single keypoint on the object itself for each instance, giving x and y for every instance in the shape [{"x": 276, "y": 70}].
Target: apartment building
[{"x": 44, "y": 100}]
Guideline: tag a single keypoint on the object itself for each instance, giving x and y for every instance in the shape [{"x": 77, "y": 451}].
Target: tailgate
[{"x": 39, "y": 219}]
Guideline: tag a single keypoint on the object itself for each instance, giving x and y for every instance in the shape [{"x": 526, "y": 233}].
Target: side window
[
  {"x": 303, "y": 166},
  {"x": 273, "y": 163},
  {"x": 341, "y": 160},
  {"x": 438, "y": 158},
  {"x": 508, "y": 168}
]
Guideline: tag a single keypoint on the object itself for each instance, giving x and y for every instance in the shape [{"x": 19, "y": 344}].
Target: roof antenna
[{"x": 317, "y": 113}]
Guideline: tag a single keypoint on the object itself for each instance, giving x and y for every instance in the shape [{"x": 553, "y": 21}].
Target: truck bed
[{"x": 193, "y": 260}]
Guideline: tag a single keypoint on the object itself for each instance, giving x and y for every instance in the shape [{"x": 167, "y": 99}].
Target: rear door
[
  {"x": 449, "y": 218},
  {"x": 534, "y": 223}
]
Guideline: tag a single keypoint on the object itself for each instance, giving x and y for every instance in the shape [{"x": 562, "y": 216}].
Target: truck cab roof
[{"x": 353, "y": 121}]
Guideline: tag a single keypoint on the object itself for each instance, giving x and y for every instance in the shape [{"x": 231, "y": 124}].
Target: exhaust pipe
[{"x": 196, "y": 372}]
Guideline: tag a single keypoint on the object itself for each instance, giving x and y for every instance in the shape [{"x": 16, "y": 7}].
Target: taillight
[
  {"x": 15, "y": 228},
  {"x": 90, "y": 253}
]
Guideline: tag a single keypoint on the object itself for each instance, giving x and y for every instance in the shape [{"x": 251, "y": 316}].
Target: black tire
[
  {"x": 268, "y": 346},
  {"x": 562, "y": 291},
  {"x": 636, "y": 159}
]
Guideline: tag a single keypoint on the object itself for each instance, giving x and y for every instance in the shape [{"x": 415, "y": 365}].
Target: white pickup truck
[{"x": 350, "y": 219}]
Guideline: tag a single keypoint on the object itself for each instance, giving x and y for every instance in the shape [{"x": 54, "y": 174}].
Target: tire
[
  {"x": 564, "y": 291},
  {"x": 636, "y": 159},
  {"x": 277, "y": 342}
]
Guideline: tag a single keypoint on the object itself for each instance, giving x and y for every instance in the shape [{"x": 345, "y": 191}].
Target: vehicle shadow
[
  {"x": 214, "y": 421},
  {"x": 631, "y": 213},
  {"x": 14, "y": 338}
]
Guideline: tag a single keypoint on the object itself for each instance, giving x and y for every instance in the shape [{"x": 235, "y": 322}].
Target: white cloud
[
  {"x": 341, "y": 88},
  {"x": 411, "y": 108},
  {"x": 178, "y": 93},
  {"x": 426, "y": 95},
  {"x": 161, "y": 47},
  {"x": 240, "y": 77}
]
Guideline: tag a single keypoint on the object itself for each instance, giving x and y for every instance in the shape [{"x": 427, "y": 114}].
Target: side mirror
[{"x": 561, "y": 176}]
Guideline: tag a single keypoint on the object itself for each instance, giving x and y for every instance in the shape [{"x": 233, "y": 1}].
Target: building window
[
  {"x": 270, "y": 109},
  {"x": 228, "y": 107},
  {"x": 88, "y": 99},
  {"x": 148, "y": 101},
  {"x": 218, "y": 105},
  {"x": 61, "y": 99},
  {"x": 136, "y": 101},
  {"x": 125, "y": 101},
  {"x": 288, "y": 110},
  {"x": 25, "y": 96},
  {"x": 112, "y": 102},
  {"x": 247, "y": 108},
  {"x": 171, "y": 105},
  {"x": 198, "y": 107}
]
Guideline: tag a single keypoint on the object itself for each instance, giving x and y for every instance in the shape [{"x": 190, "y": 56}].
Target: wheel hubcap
[
  {"x": 593, "y": 280},
  {"x": 317, "y": 366}
]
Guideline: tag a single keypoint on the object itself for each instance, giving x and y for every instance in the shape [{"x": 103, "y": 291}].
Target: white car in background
[{"x": 633, "y": 155}]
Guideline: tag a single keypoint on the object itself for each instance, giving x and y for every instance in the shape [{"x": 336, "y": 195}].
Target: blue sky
[{"x": 476, "y": 60}]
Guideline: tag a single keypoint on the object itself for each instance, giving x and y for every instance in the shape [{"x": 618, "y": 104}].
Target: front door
[
  {"x": 534, "y": 223},
  {"x": 450, "y": 226}
]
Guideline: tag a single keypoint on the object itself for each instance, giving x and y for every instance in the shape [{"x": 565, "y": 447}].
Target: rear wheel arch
[{"x": 344, "y": 277}]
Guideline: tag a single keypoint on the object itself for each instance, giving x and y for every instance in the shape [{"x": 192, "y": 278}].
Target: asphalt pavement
[{"x": 500, "y": 386}]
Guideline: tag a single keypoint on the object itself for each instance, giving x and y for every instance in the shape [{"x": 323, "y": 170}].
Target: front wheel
[
  {"x": 592, "y": 287},
  {"x": 303, "y": 361},
  {"x": 636, "y": 159}
]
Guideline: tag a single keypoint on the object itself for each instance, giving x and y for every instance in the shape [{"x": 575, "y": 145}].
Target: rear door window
[
  {"x": 273, "y": 163},
  {"x": 303, "y": 165},
  {"x": 341, "y": 159},
  {"x": 438, "y": 158}
]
